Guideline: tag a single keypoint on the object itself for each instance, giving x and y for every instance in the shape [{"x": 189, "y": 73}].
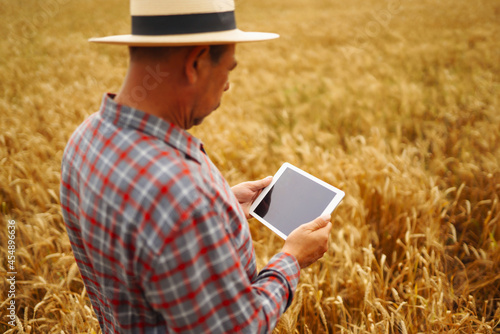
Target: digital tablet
[{"x": 293, "y": 198}]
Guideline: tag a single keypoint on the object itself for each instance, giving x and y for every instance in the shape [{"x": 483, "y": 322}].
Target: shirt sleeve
[{"x": 198, "y": 284}]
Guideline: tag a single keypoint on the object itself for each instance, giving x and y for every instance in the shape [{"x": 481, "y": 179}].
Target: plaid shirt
[{"x": 161, "y": 242}]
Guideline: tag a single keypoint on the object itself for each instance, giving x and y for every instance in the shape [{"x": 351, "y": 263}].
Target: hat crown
[
  {"x": 183, "y": 22},
  {"x": 179, "y": 7}
]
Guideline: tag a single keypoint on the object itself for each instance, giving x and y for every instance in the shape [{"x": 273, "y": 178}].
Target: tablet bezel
[{"x": 328, "y": 209}]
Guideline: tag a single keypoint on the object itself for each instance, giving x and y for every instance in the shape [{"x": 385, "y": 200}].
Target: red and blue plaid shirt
[{"x": 161, "y": 242}]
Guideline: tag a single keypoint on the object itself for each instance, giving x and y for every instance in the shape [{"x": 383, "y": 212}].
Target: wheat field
[{"x": 396, "y": 102}]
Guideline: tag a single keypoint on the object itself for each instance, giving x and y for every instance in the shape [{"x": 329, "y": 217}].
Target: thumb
[
  {"x": 260, "y": 184},
  {"x": 320, "y": 222}
]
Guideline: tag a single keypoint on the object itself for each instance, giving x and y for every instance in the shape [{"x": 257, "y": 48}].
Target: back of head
[{"x": 143, "y": 54}]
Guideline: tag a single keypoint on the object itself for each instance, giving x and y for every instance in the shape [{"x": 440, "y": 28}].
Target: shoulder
[{"x": 173, "y": 196}]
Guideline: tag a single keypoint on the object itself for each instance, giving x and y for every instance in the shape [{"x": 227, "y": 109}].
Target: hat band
[{"x": 183, "y": 24}]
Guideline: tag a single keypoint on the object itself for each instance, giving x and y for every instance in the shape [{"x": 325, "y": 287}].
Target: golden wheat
[{"x": 394, "y": 101}]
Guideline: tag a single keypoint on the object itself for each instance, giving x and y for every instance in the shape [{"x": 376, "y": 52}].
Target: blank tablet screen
[{"x": 294, "y": 200}]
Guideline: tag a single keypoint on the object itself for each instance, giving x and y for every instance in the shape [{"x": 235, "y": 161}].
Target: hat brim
[{"x": 207, "y": 38}]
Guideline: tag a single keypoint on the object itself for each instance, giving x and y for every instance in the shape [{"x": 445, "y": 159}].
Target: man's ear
[{"x": 197, "y": 60}]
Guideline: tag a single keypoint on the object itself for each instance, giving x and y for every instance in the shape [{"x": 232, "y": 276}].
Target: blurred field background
[{"x": 396, "y": 102}]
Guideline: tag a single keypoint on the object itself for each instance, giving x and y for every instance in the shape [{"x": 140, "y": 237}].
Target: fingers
[
  {"x": 329, "y": 227},
  {"x": 309, "y": 242}
]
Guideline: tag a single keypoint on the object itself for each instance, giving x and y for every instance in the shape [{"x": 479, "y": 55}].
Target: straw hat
[{"x": 183, "y": 22}]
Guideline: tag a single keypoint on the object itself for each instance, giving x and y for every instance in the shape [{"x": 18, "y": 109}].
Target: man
[{"x": 160, "y": 238}]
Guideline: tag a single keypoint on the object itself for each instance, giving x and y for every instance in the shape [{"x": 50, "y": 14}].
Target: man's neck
[{"x": 151, "y": 93}]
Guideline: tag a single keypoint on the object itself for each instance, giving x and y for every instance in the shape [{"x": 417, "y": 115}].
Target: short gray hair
[{"x": 163, "y": 52}]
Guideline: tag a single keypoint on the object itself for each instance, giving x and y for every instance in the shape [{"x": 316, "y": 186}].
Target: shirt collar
[{"x": 127, "y": 117}]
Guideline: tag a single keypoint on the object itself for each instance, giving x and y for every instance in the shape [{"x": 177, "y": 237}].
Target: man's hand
[
  {"x": 309, "y": 242},
  {"x": 247, "y": 192}
]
